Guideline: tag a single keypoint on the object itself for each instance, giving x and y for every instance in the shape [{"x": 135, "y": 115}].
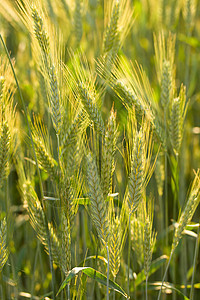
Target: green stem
[
  {"x": 146, "y": 288},
  {"x": 68, "y": 291},
  {"x": 34, "y": 269},
  {"x": 129, "y": 251},
  {"x": 1, "y": 286},
  {"x": 114, "y": 290},
  {"x": 166, "y": 189},
  {"x": 195, "y": 263},
  {"x": 107, "y": 272},
  {"x": 37, "y": 166},
  {"x": 159, "y": 295}
]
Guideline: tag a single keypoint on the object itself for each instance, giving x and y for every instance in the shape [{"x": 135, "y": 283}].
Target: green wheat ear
[
  {"x": 166, "y": 84},
  {"x": 78, "y": 27},
  {"x": 177, "y": 115},
  {"x": 188, "y": 212},
  {"x": 112, "y": 29},
  {"x": 41, "y": 35},
  {"x": 98, "y": 205},
  {"x": 137, "y": 175},
  {"x": 40, "y": 138},
  {"x": 3, "y": 243},
  {"x": 91, "y": 108},
  {"x": 37, "y": 220},
  {"x": 4, "y": 151}
]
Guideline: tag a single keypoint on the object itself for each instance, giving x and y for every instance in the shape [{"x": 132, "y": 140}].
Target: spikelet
[
  {"x": 3, "y": 243},
  {"x": 109, "y": 147},
  {"x": 98, "y": 205},
  {"x": 78, "y": 28},
  {"x": 188, "y": 211},
  {"x": 137, "y": 175},
  {"x": 177, "y": 116},
  {"x": 4, "y": 151},
  {"x": 91, "y": 108},
  {"x": 166, "y": 85},
  {"x": 112, "y": 29}
]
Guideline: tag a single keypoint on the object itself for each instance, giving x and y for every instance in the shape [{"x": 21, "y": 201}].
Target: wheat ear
[
  {"x": 4, "y": 151},
  {"x": 91, "y": 108},
  {"x": 3, "y": 244},
  {"x": 109, "y": 147},
  {"x": 176, "y": 121},
  {"x": 136, "y": 180},
  {"x": 37, "y": 220},
  {"x": 55, "y": 99},
  {"x": 112, "y": 29},
  {"x": 98, "y": 207},
  {"x": 166, "y": 84},
  {"x": 184, "y": 219},
  {"x": 41, "y": 35}
]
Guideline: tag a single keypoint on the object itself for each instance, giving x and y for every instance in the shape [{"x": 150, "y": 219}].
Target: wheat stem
[
  {"x": 146, "y": 288},
  {"x": 195, "y": 262},
  {"x": 129, "y": 251},
  {"x": 165, "y": 275},
  {"x": 107, "y": 292},
  {"x": 166, "y": 187}
]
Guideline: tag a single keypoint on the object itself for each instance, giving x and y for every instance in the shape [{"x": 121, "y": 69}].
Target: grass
[{"x": 99, "y": 144}]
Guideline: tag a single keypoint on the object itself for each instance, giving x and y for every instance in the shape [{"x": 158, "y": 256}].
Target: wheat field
[{"x": 99, "y": 149}]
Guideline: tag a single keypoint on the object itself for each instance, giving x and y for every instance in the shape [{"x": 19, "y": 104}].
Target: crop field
[{"x": 99, "y": 149}]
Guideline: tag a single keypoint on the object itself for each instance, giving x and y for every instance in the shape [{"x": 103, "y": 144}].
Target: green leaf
[
  {"x": 156, "y": 264},
  {"x": 191, "y": 41},
  {"x": 92, "y": 273}
]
